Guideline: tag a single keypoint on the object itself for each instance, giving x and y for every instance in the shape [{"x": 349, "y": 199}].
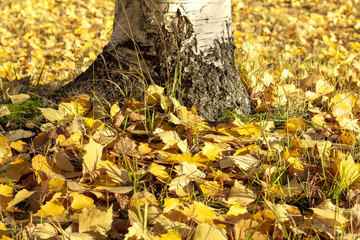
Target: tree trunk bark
[{"x": 185, "y": 45}]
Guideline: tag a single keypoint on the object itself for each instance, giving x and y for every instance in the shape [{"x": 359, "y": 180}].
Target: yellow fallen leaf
[
  {"x": 241, "y": 194},
  {"x": 244, "y": 162},
  {"x": 5, "y": 196},
  {"x": 209, "y": 232},
  {"x": 114, "y": 110},
  {"x": 52, "y": 115},
  {"x": 95, "y": 220},
  {"x": 40, "y": 163},
  {"x": 182, "y": 186},
  {"x": 170, "y": 235},
  {"x": 347, "y": 137},
  {"x": 4, "y": 111},
  {"x": 190, "y": 170},
  {"x": 350, "y": 124},
  {"x": 56, "y": 182},
  {"x": 144, "y": 149},
  {"x": 143, "y": 198},
  {"x": 75, "y": 140},
  {"x": 114, "y": 173},
  {"x": 329, "y": 214},
  {"x": 54, "y": 207},
  {"x": 170, "y": 204},
  {"x": 348, "y": 171},
  {"x": 153, "y": 94},
  {"x": 94, "y": 124},
  {"x": 159, "y": 172},
  {"x": 44, "y": 231},
  {"x": 245, "y": 150},
  {"x": 20, "y": 196},
  {"x": 211, "y": 151},
  {"x": 172, "y": 139},
  {"x": 279, "y": 210},
  {"x": 295, "y": 125},
  {"x": 2, "y": 226},
  {"x": 17, "y": 168},
  {"x": 211, "y": 188},
  {"x": 199, "y": 212},
  {"x": 19, "y": 146},
  {"x": 92, "y": 156},
  {"x": 249, "y": 129},
  {"x": 80, "y": 201},
  {"x": 76, "y": 107},
  {"x": 236, "y": 210},
  {"x": 323, "y": 87},
  {"x": 19, "y": 98},
  {"x": 5, "y": 150},
  {"x": 296, "y": 163}
]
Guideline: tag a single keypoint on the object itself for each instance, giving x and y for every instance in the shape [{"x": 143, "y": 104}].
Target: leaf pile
[
  {"x": 52, "y": 40},
  {"x": 161, "y": 170}
]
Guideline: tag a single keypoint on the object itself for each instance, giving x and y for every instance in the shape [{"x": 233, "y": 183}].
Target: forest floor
[{"x": 157, "y": 170}]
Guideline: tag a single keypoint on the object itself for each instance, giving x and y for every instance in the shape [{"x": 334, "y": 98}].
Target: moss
[
  {"x": 22, "y": 113},
  {"x": 228, "y": 115}
]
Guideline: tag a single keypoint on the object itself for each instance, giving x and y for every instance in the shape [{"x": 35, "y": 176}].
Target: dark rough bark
[{"x": 211, "y": 89}]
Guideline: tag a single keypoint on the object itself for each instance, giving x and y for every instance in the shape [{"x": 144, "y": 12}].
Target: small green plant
[
  {"x": 27, "y": 111},
  {"x": 228, "y": 115}
]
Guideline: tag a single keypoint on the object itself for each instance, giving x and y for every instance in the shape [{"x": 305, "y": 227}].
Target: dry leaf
[
  {"x": 19, "y": 197},
  {"x": 95, "y": 221},
  {"x": 19, "y": 134},
  {"x": 19, "y": 99},
  {"x": 172, "y": 139},
  {"x": 80, "y": 201},
  {"x": 4, "y": 111},
  {"x": 92, "y": 156},
  {"x": 209, "y": 232},
  {"x": 44, "y": 231},
  {"x": 52, "y": 115}
]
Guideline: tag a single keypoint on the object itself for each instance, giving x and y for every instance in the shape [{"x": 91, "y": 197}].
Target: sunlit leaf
[
  {"x": 172, "y": 139},
  {"x": 348, "y": 171},
  {"x": 92, "y": 156},
  {"x": 54, "y": 207},
  {"x": 211, "y": 188},
  {"x": 241, "y": 194},
  {"x": 200, "y": 212},
  {"x": 5, "y": 195},
  {"x": 20, "y": 196},
  {"x": 170, "y": 235},
  {"x": 170, "y": 204},
  {"x": 210, "y": 232},
  {"x": 80, "y": 201},
  {"x": 93, "y": 220},
  {"x": 211, "y": 151},
  {"x": 159, "y": 172},
  {"x": 236, "y": 210},
  {"x": 5, "y": 149}
]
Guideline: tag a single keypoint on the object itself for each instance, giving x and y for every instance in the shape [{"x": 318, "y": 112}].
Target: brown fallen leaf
[
  {"x": 309, "y": 83},
  {"x": 19, "y": 134}
]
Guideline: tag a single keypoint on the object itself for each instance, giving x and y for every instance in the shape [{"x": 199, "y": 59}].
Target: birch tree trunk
[{"x": 153, "y": 41}]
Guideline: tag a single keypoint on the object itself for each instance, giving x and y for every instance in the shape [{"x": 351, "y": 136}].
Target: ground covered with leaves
[{"x": 157, "y": 170}]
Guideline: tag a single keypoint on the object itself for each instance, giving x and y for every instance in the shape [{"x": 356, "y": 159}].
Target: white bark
[{"x": 211, "y": 20}]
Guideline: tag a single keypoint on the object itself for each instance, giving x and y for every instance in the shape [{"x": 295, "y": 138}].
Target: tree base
[{"x": 208, "y": 82}]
